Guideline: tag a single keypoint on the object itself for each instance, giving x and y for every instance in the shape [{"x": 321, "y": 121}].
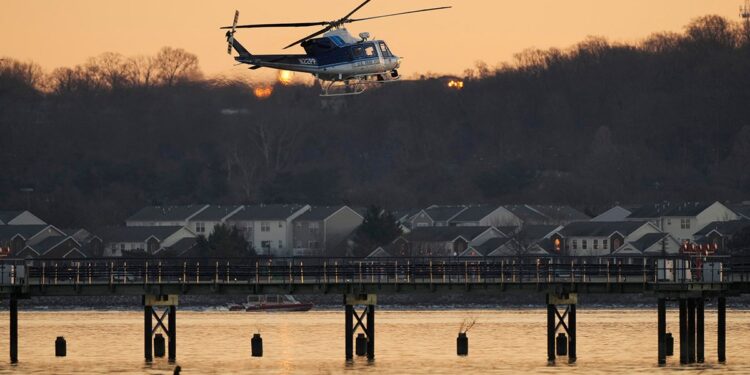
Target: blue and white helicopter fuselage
[{"x": 336, "y": 57}]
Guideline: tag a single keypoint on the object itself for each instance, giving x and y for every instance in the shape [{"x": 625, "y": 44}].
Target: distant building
[
  {"x": 204, "y": 222},
  {"x": 442, "y": 241},
  {"x": 719, "y": 234},
  {"x": 682, "y": 220},
  {"x": 268, "y": 228},
  {"x": 436, "y": 216},
  {"x": 322, "y": 228},
  {"x": 14, "y": 238},
  {"x": 150, "y": 239},
  {"x": 56, "y": 247},
  {"x": 481, "y": 216},
  {"x": 591, "y": 238},
  {"x": 165, "y": 216}
]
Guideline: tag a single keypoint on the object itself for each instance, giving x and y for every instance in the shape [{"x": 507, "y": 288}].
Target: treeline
[{"x": 667, "y": 118}]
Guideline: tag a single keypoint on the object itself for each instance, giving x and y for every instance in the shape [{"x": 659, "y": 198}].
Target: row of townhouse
[
  {"x": 278, "y": 230},
  {"x": 491, "y": 215},
  {"x": 621, "y": 231},
  {"x": 24, "y": 235}
]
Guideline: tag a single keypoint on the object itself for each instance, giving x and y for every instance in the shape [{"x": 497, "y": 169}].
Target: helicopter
[{"x": 343, "y": 64}]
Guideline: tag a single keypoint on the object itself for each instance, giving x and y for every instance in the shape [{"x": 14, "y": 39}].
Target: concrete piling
[
  {"x": 661, "y": 331},
  {"x": 722, "y": 329}
]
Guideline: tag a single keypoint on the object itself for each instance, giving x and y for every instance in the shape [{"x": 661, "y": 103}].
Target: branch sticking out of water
[{"x": 466, "y": 325}]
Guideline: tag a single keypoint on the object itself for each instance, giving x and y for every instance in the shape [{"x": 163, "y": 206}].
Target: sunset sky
[{"x": 65, "y": 33}]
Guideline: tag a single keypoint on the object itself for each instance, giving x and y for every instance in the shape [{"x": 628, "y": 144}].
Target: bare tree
[{"x": 176, "y": 65}]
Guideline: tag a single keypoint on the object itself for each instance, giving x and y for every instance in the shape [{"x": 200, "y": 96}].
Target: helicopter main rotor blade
[
  {"x": 264, "y": 25},
  {"x": 395, "y": 14},
  {"x": 346, "y": 17},
  {"x": 313, "y": 35}
]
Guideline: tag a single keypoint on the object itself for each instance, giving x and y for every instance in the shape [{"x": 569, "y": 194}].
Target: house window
[
  {"x": 596, "y": 244},
  {"x": 574, "y": 244},
  {"x": 584, "y": 245},
  {"x": 200, "y": 227},
  {"x": 265, "y": 244},
  {"x": 314, "y": 227},
  {"x": 122, "y": 246},
  {"x": 669, "y": 221},
  {"x": 685, "y": 223},
  {"x": 281, "y": 224},
  {"x": 313, "y": 244},
  {"x": 281, "y": 244},
  {"x": 265, "y": 226},
  {"x": 605, "y": 244}
]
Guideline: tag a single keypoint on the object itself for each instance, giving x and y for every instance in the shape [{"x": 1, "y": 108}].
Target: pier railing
[{"x": 400, "y": 270}]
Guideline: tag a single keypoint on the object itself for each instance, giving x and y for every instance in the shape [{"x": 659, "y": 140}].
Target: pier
[{"x": 559, "y": 281}]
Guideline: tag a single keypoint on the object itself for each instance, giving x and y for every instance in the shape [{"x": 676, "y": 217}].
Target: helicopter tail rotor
[{"x": 230, "y": 34}]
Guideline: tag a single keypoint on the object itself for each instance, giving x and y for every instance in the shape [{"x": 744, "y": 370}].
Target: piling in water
[
  {"x": 61, "y": 349},
  {"x": 159, "y": 348},
  {"x": 670, "y": 344},
  {"x": 256, "y": 345},
  {"x": 462, "y": 344}
]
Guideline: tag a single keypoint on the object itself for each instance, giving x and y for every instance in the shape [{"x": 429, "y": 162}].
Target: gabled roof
[
  {"x": 8, "y": 216},
  {"x": 49, "y": 243},
  {"x": 26, "y": 231},
  {"x": 724, "y": 228},
  {"x": 474, "y": 213},
  {"x": 215, "y": 213},
  {"x": 266, "y": 212},
  {"x": 600, "y": 228},
  {"x": 491, "y": 245},
  {"x": 443, "y": 213},
  {"x": 647, "y": 241},
  {"x": 444, "y": 234},
  {"x": 167, "y": 213},
  {"x": 138, "y": 234},
  {"x": 663, "y": 209},
  {"x": 318, "y": 213}
]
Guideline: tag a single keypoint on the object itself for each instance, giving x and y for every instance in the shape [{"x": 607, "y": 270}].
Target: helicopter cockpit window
[
  {"x": 370, "y": 51},
  {"x": 384, "y": 50},
  {"x": 357, "y": 52}
]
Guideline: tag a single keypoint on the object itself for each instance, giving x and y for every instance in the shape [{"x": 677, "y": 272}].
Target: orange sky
[{"x": 64, "y": 33}]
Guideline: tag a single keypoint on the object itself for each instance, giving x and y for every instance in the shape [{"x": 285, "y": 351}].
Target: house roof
[
  {"x": 491, "y": 245},
  {"x": 166, "y": 213},
  {"x": 526, "y": 213},
  {"x": 655, "y": 210},
  {"x": 138, "y": 234},
  {"x": 600, "y": 228},
  {"x": 444, "y": 213},
  {"x": 265, "y": 212},
  {"x": 616, "y": 213},
  {"x": 474, "y": 213},
  {"x": 741, "y": 210},
  {"x": 183, "y": 246},
  {"x": 26, "y": 231},
  {"x": 7, "y": 216},
  {"x": 317, "y": 213},
  {"x": 49, "y": 243},
  {"x": 560, "y": 213},
  {"x": 443, "y": 234},
  {"x": 214, "y": 213},
  {"x": 724, "y": 227},
  {"x": 647, "y": 240},
  {"x": 537, "y": 232}
]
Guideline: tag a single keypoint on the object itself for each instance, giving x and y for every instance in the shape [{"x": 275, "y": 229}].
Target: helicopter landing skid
[{"x": 354, "y": 86}]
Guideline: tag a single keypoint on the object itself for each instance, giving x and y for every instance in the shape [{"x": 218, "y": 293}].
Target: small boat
[{"x": 271, "y": 303}]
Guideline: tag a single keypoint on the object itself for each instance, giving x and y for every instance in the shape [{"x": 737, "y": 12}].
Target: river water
[{"x": 408, "y": 342}]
